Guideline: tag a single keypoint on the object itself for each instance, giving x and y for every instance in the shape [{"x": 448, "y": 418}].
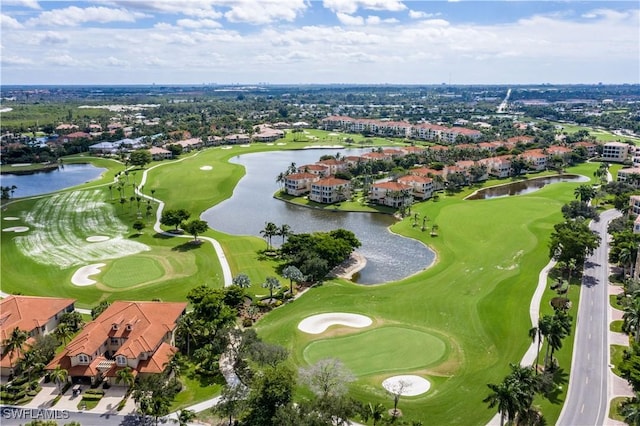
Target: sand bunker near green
[
  {"x": 11, "y": 218},
  {"x": 407, "y": 385},
  {"x": 206, "y": 168},
  {"x": 318, "y": 324},
  {"x": 81, "y": 276},
  {"x": 16, "y": 229}
]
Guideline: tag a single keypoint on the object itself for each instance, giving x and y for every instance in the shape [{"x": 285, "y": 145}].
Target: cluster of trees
[
  {"x": 316, "y": 254},
  {"x": 178, "y": 217},
  {"x": 261, "y": 393}
]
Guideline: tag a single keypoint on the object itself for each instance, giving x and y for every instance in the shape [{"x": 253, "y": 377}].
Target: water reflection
[
  {"x": 522, "y": 187},
  {"x": 65, "y": 176},
  {"x": 390, "y": 257}
]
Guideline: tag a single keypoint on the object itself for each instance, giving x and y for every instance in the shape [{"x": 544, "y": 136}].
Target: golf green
[
  {"x": 384, "y": 349},
  {"x": 133, "y": 270}
]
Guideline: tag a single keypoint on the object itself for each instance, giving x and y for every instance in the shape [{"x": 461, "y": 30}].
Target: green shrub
[
  {"x": 247, "y": 322},
  {"x": 121, "y": 404},
  {"x": 32, "y": 393},
  {"x": 94, "y": 392},
  {"x": 21, "y": 380}
]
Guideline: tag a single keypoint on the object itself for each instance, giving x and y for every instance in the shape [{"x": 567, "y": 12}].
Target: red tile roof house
[
  {"x": 498, "y": 166},
  {"x": 315, "y": 169},
  {"x": 330, "y": 190},
  {"x": 438, "y": 184},
  {"x": 392, "y": 194},
  {"x": 422, "y": 187},
  {"x": 158, "y": 153},
  {"x": 299, "y": 183},
  {"x": 37, "y": 316},
  {"x": 139, "y": 335},
  {"x": 189, "y": 144},
  {"x": 592, "y": 148},
  {"x": 334, "y": 166},
  {"x": 536, "y": 158}
]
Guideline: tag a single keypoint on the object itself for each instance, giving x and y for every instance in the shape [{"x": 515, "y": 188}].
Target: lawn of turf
[{"x": 475, "y": 298}]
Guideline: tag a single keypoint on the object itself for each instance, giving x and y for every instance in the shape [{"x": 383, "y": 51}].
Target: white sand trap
[
  {"x": 227, "y": 147},
  {"x": 409, "y": 385},
  {"x": 270, "y": 144},
  {"x": 333, "y": 134},
  {"x": 81, "y": 276},
  {"x": 206, "y": 168},
  {"x": 317, "y": 324},
  {"x": 98, "y": 238},
  {"x": 245, "y": 145},
  {"x": 281, "y": 143},
  {"x": 11, "y": 218},
  {"x": 16, "y": 229}
]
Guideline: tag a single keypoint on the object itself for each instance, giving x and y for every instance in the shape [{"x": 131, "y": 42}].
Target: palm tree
[
  {"x": 630, "y": 409},
  {"x": 294, "y": 275},
  {"x": 284, "y": 231},
  {"x": 281, "y": 179},
  {"x": 625, "y": 258},
  {"x": 374, "y": 412},
  {"x": 63, "y": 332},
  {"x": 270, "y": 230},
  {"x": 271, "y": 283},
  {"x": 59, "y": 375},
  {"x": 536, "y": 335},
  {"x": 584, "y": 193},
  {"x": 125, "y": 376},
  {"x": 631, "y": 318},
  {"x": 503, "y": 396},
  {"x": 602, "y": 173},
  {"x": 29, "y": 363},
  {"x": 173, "y": 368},
  {"x": 559, "y": 328},
  {"x": 15, "y": 343},
  {"x": 242, "y": 281}
]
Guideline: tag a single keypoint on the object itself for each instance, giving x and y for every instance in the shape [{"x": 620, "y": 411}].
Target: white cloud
[
  {"x": 64, "y": 60},
  {"x": 263, "y": 11},
  {"x": 352, "y": 6},
  {"x": 51, "y": 37},
  {"x": 15, "y": 60},
  {"x": 115, "y": 62},
  {"x": 376, "y": 20},
  {"x": 199, "y": 23},
  {"x": 349, "y": 20},
  {"x": 417, "y": 14},
  {"x": 606, "y": 14},
  {"x": 7, "y": 22},
  {"x": 31, "y": 4},
  {"x": 74, "y": 16},
  {"x": 195, "y": 8}
]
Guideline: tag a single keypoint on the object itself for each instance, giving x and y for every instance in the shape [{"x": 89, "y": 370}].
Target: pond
[
  {"x": 522, "y": 187},
  {"x": 390, "y": 257},
  {"x": 39, "y": 183}
]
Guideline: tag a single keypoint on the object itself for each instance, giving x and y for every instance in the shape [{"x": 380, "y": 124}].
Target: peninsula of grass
[{"x": 475, "y": 298}]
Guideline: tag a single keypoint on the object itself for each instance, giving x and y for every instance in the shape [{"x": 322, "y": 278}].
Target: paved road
[{"x": 587, "y": 397}]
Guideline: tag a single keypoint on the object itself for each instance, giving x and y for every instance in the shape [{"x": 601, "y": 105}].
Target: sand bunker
[
  {"x": 206, "y": 168},
  {"x": 317, "y": 324},
  {"x": 408, "y": 385},
  {"x": 81, "y": 276},
  {"x": 281, "y": 143},
  {"x": 16, "y": 229},
  {"x": 270, "y": 144},
  {"x": 245, "y": 145},
  {"x": 97, "y": 238},
  {"x": 11, "y": 218},
  {"x": 227, "y": 147}
]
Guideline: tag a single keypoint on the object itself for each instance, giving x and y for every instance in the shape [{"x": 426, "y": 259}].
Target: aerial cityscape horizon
[{"x": 224, "y": 42}]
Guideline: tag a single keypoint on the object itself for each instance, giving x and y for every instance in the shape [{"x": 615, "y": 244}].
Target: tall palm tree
[
  {"x": 173, "y": 368},
  {"x": 294, "y": 275},
  {"x": 631, "y": 318},
  {"x": 535, "y": 333},
  {"x": 584, "y": 193},
  {"x": 284, "y": 231},
  {"x": 63, "y": 332},
  {"x": 630, "y": 409},
  {"x": 185, "y": 416},
  {"x": 59, "y": 375},
  {"x": 125, "y": 376},
  {"x": 15, "y": 343},
  {"x": 270, "y": 230},
  {"x": 503, "y": 396}
]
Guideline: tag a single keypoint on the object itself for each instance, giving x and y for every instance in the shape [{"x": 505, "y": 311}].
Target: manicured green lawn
[
  {"x": 405, "y": 350},
  {"x": 614, "y": 408},
  {"x": 617, "y": 352},
  {"x": 616, "y": 326},
  {"x": 475, "y": 298},
  {"x": 129, "y": 271}
]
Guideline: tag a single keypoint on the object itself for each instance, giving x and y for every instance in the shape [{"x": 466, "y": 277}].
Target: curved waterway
[
  {"x": 390, "y": 257},
  {"x": 523, "y": 186},
  {"x": 39, "y": 183}
]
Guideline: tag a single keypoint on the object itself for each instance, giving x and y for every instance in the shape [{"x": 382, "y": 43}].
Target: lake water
[
  {"x": 522, "y": 187},
  {"x": 390, "y": 257},
  {"x": 65, "y": 176}
]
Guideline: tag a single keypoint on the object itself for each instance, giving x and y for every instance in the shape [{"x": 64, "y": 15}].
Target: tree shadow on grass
[
  {"x": 188, "y": 246},
  {"x": 560, "y": 379},
  {"x": 136, "y": 235},
  {"x": 162, "y": 236}
]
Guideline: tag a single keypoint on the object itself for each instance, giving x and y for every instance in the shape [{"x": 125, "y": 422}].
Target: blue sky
[{"x": 324, "y": 41}]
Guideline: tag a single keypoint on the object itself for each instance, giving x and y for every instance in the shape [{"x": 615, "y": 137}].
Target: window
[
  {"x": 114, "y": 341},
  {"x": 83, "y": 359},
  {"x": 120, "y": 360}
]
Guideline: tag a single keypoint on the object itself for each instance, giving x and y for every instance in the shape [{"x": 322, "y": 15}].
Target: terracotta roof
[
  {"x": 331, "y": 181},
  {"x": 300, "y": 176},
  {"x": 28, "y": 312},
  {"x": 157, "y": 362},
  {"x": 312, "y": 167},
  {"x": 391, "y": 186},
  {"x": 415, "y": 178},
  {"x": 142, "y": 324}
]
